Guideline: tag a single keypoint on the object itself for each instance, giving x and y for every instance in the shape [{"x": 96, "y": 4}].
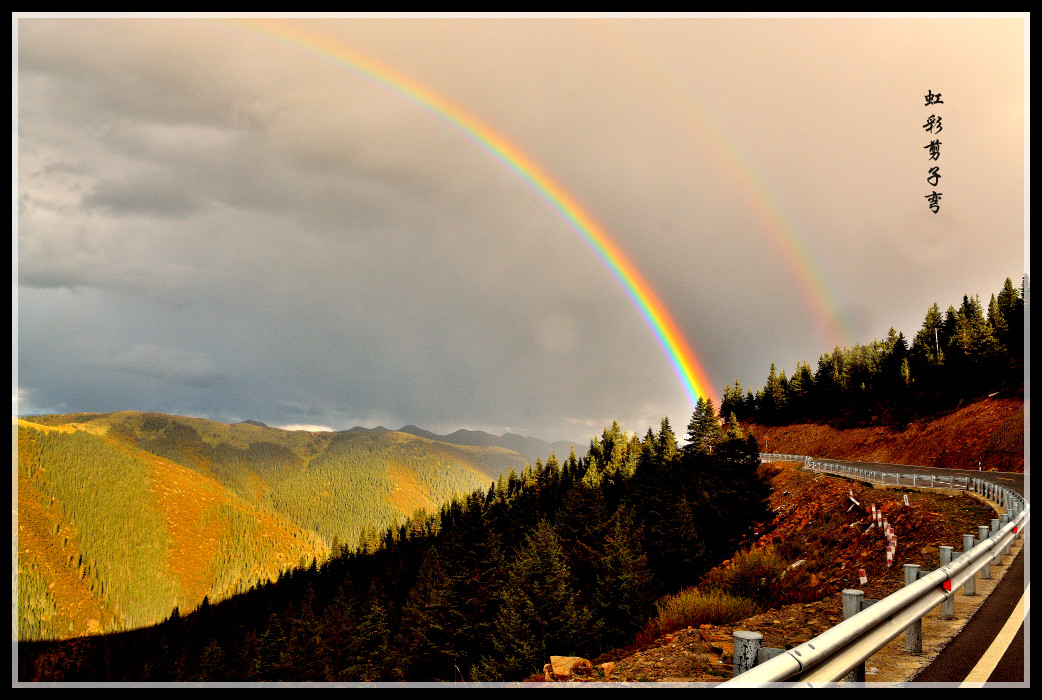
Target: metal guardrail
[{"x": 833, "y": 655}]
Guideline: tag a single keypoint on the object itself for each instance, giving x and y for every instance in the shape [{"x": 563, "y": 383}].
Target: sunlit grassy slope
[{"x": 123, "y": 516}]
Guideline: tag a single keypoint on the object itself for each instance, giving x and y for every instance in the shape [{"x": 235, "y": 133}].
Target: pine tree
[
  {"x": 624, "y": 598},
  {"x": 734, "y": 429},
  {"x": 371, "y": 657},
  {"x": 703, "y": 430},
  {"x": 735, "y": 497},
  {"x": 733, "y": 400},
  {"x": 773, "y": 401},
  {"x": 583, "y": 522},
  {"x": 997, "y": 321},
  {"x": 473, "y": 557},
  {"x": 213, "y": 663},
  {"x": 271, "y": 662},
  {"x": 341, "y": 619},
  {"x": 305, "y": 637},
  {"x": 538, "y": 616},
  {"x": 927, "y": 343},
  {"x": 666, "y": 444},
  {"x": 425, "y": 639}
]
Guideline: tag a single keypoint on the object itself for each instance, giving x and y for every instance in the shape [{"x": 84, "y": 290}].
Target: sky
[{"x": 494, "y": 222}]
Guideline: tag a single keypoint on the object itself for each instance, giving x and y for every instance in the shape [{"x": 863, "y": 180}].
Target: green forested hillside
[
  {"x": 111, "y": 537},
  {"x": 98, "y": 497},
  {"x": 351, "y": 485},
  {"x": 124, "y": 516}
]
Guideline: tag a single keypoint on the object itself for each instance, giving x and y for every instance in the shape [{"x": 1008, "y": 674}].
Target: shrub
[
  {"x": 692, "y": 607},
  {"x": 763, "y": 575}
]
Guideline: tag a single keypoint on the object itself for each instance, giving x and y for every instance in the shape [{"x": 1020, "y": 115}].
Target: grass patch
[
  {"x": 764, "y": 576},
  {"x": 692, "y": 607}
]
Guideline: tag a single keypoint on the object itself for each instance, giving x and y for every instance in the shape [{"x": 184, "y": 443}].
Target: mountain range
[{"x": 530, "y": 448}]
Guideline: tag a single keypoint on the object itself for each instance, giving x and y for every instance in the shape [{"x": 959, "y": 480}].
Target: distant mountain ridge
[{"x": 531, "y": 448}]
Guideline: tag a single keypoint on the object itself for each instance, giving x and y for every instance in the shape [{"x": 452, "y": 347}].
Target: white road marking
[{"x": 980, "y": 673}]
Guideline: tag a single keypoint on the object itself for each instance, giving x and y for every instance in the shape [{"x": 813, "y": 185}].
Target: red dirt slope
[{"x": 989, "y": 433}]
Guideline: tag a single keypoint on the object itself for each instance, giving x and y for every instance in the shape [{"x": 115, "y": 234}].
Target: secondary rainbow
[
  {"x": 797, "y": 259},
  {"x": 692, "y": 376}
]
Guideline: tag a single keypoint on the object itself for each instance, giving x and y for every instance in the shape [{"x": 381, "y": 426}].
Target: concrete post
[
  {"x": 853, "y": 600},
  {"x": 971, "y": 583},
  {"x": 984, "y": 534},
  {"x": 914, "y": 633},
  {"x": 995, "y": 526},
  {"x": 746, "y": 644},
  {"x": 948, "y": 606},
  {"x": 1009, "y": 545}
]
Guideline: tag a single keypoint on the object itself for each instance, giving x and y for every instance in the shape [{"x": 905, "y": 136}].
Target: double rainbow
[{"x": 689, "y": 371}]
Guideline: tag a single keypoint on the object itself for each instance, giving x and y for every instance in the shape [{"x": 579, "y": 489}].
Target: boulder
[{"x": 563, "y": 667}]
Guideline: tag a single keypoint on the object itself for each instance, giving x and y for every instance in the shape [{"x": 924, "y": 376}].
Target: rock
[
  {"x": 722, "y": 648},
  {"x": 548, "y": 672},
  {"x": 607, "y": 668},
  {"x": 562, "y": 667}
]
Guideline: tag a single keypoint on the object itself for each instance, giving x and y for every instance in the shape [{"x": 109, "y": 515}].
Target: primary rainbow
[{"x": 693, "y": 378}]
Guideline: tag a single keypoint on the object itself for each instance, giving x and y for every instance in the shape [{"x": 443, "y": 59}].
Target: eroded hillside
[{"x": 989, "y": 434}]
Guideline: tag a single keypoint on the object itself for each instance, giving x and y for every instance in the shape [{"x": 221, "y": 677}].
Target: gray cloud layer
[{"x": 213, "y": 220}]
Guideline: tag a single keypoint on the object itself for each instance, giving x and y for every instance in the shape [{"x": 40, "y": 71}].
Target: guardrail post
[
  {"x": 914, "y": 633},
  {"x": 997, "y": 561},
  {"x": 971, "y": 582},
  {"x": 1009, "y": 545},
  {"x": 948, "y": 606},
  {"x": 746, "y": 644},
  {"x": 853, "y": 600},
  {"x": 984, "y": 534}
]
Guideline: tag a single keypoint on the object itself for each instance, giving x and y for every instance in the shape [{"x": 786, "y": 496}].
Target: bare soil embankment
[{"x": 988, "y": 434}]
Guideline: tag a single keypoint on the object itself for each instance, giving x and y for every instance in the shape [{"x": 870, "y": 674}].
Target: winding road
[{"x": 991, "y": 648}]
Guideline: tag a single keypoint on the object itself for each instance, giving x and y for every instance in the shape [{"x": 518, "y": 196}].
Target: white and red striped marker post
[{"x": 863, "y": 576}]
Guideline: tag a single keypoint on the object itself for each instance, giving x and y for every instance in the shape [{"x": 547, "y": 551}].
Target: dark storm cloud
[{"x": 167, "y": 364}]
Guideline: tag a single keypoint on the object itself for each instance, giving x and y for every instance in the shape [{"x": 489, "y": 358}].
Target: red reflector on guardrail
[{"x": 947, "y": 585}]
